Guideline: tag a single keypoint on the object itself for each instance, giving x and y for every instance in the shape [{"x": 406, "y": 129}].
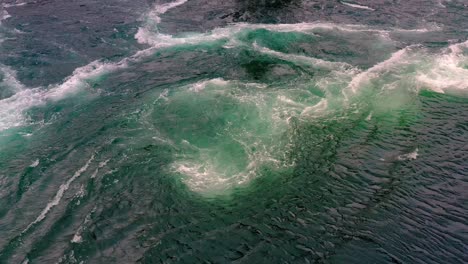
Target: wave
[
  {"x": 447, "y": 74},
  {"x": 396, "y": 59},
  {"x": 80, "y": 76},
  {"x": 440, "y": 79},
  {"x": 448, "y": 71},
  {"x": 152, "y": 36},
  {"x": 13, "y": 108}
]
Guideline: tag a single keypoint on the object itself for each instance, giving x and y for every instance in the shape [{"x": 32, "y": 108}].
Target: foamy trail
[
  {"x": 78, "y": 80},
  {"x": 397, "y": 58},
  {"x": 357, "y": 6},
  {"x": 152, "y": 19},
  {"x": 15, "y": 4},
  {"x": 158, "y": 10},
  {"x": 304, "y": 59},
  {"x": 58, "y": 196}
]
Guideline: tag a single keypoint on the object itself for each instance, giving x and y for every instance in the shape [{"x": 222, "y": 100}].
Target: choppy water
[{"x": 275, "y": 131}]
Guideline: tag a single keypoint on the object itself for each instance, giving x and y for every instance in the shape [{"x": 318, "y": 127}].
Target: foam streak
[{"x": 58, "y": 196}]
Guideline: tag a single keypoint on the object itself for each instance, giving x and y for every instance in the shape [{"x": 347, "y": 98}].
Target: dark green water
[{"x": 244, "y": 132}]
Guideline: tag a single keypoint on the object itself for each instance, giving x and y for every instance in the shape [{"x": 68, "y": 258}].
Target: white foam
[
  {"x": 158, "y": 10},
  {"x": 151, "y": 36},
  {"x": 409, "y": 156},
  {"x": 4, "y": 15},
  {"x": 101, "y": 165},
  {"x": 357, "y": 6},
  {"x": 159, "y": 40},
  {"x": 199, "y": 86},
  {"x": 34, "y": 164},
  {"x": 58, "y": 196},
  {"x": 149, "y": 32},
  {"x": 315, "y": 109},
  {"x": 397, "y": 58},
  {"x": 204, "y": 175},
  {"x": 78, "y": 80},
  {"x": 77, "y": 238},
  {"x": 304, "y": 59},
  {"x": 12, "y": 109},
  {"x": 448, "y": 71},
  {"x": 14, "y": 5},
  {"x": 9, "y": 79},
  {"x": 204, "y": 168}
]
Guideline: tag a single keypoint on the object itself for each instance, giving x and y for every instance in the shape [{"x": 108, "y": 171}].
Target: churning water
[{"x": 193, "y": 131}]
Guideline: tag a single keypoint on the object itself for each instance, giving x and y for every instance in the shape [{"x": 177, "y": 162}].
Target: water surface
[{"x": 247, "y": 131}]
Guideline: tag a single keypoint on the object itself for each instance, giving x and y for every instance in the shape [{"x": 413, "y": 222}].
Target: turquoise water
[{"x": 238, "y": 132}]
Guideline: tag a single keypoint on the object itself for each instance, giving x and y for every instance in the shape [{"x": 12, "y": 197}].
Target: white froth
[
  {"x": 199, "y": 86},
  {"x": 78, "y": 80},
  {"x": 149, "y": 33},
  {"x": 34, "y": 164},
  {"x": 357, "y": 6},
  {"x": 161, "y": 9},
  {"x": 203, "y": 168},
  {"x": 58, "y": 196},
  {"x": 9, "y": 79},
  {"x": 409, "y": 156},
  {"x": 4, "y": 15},
  {"x": 14, "y": 5},
  {"x": 13, "y": 108},
  {"x": 397, "y": 58},
  {"x": 77, "y": 239},
  {"x": 151, "y": 36},
  {"x": 304, "y": 59},
  {"x": 101, "y": 165},
  {"x": 163, "y": 95},
  {"x": 315, "y": 109},
  {"x": 449, "y": 71}
]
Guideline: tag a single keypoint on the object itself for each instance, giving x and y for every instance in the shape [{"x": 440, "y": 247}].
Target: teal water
[{"x": 180, "y": 137}]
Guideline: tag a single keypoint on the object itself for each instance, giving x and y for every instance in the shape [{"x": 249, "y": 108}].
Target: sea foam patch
[
  {"x": 228, "y": 130},
  {"x": 448, "y": 72}
]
